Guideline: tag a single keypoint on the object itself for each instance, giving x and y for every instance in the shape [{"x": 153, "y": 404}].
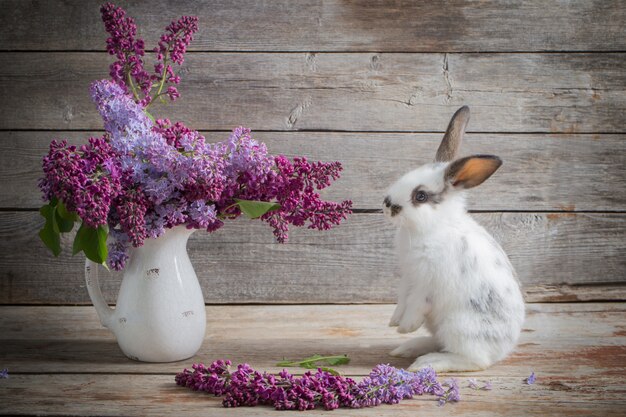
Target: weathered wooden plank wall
[
  {"x": 369, "y": 83},
  {"x": 333, "y": 25},
  {"x": 548, "y": 93}
]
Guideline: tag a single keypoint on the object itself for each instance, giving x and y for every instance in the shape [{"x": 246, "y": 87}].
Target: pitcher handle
[{"x": 105, "y": 313}]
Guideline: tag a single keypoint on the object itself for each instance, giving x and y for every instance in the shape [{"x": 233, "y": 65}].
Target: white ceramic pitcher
[{"x": 160, "y": 315}]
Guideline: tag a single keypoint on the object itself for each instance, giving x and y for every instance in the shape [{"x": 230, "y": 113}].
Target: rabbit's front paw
[
  {"x": 410, "y": 323},
  {"x": 395, "y": 318}
]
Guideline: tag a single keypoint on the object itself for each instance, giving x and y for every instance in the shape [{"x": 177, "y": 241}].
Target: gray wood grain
[
  {"x": 350, "y": 264},
  {"x": 335, "y": 25},
  {"x": 73, "y": 336},
  {"x": 540, "y": 172},
  {"x": 87, "y": 394},
  {"x": 552, "y": 93},
  {"x": 61, "y": 361}
]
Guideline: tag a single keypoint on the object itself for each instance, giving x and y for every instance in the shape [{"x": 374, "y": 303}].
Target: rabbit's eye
[{"x": 421, "y": 196}]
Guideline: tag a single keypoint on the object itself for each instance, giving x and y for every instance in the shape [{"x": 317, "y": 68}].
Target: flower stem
[
  {"x": 132, "y": 86},
  {"x": 164, "y": 74}
]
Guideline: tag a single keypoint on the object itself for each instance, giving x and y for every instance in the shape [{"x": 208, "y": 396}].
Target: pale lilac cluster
[
  {"x": 128, "y": 70},
  {"x": 118, "y": 249},
  {"x": 473, "y": 384},
  {"x": 283, "y": 391},
  {"x": 451, "y": 394},
  {"x": 143, "y": 177},
  {"x": 389, "y": 385},
  {"x": 174, "y": 171}
]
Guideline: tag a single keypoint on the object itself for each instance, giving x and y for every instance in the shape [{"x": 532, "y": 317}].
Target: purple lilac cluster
[
  {"x": 86, "y": 178},
  {"x": 295, "y": 187},
  {"x": 128, "y": 70},
  {"x": 173, "y": 45},
  {"x": 143, "y": 177},
  {"x": 247, "y": 387}
]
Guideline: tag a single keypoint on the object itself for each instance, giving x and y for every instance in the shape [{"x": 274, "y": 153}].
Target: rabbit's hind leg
[
  {"x": 416, "y": 347},
  {"x": 446, "y": 362}
]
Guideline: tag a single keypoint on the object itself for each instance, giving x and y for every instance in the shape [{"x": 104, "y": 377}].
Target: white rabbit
[{"x": 455, "y": 278}]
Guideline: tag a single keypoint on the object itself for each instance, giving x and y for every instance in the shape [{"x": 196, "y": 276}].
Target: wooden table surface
[{"x": 62, "y": 362}]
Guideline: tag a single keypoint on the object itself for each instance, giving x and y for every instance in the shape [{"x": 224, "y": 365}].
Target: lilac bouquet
[
  {"x": 145, "y": 175},
  {"x": 248, "y": 387}
]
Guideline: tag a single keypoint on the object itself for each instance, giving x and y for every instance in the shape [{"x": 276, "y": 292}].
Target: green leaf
[
  {"x": 317, "y": 361},
  {"x": 338, "y": 360},
  {"x": 63, "y": 225},
  {"x": 66, "y": 215},
  {"x": 255, "y": 209},
  {"x": 77, "y": 245},
  {"x": 93, "y": 242},
  {"x": 49, "y": 235}
]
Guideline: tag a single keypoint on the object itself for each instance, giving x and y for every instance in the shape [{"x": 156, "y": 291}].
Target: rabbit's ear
[
  {"x": 472, "y": 170},
  {"x": 451, "y": 141}
]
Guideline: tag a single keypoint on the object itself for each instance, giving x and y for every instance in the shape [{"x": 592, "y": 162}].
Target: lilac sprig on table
[
  {"x": 245, "y": 386},
  {"x": 144, "y": 176}
]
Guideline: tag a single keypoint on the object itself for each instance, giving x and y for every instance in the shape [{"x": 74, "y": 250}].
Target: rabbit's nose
[{"x": 387, "y": 202}]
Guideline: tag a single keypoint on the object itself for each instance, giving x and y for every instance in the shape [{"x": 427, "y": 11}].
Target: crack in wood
[{"x": 446, "y": 78}]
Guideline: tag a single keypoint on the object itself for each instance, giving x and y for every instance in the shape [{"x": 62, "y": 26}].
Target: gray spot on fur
[
  {"x": 487, "y": 335},
  {"x": 496, "y": 336},
  {"x": 473, "y": 263},
  {"x": 468, "y": 261},
  {"x": 488, "y": 303}
]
